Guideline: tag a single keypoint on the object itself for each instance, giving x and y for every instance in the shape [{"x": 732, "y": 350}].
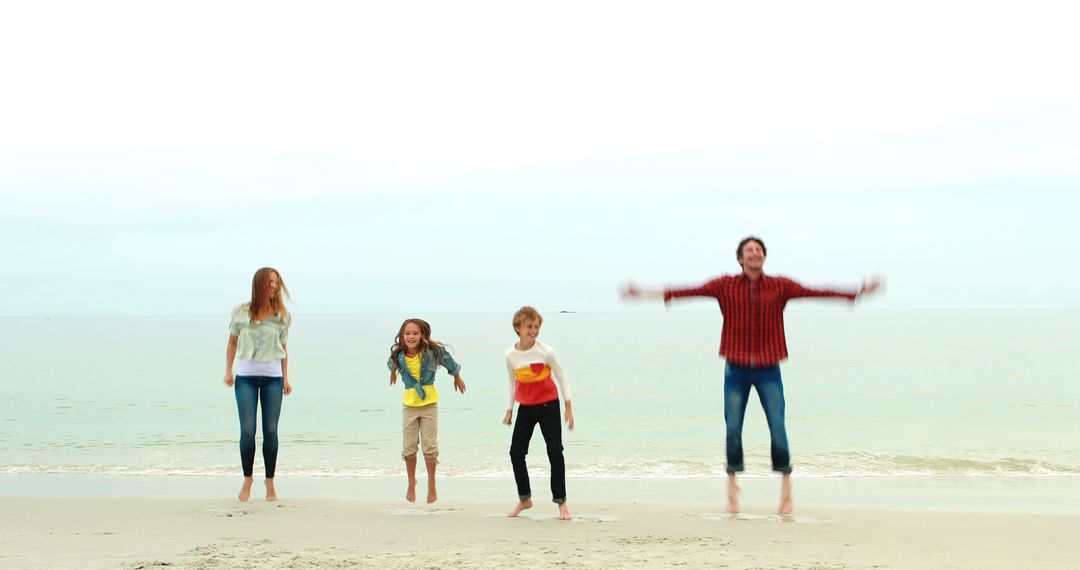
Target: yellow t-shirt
[{"x": 412, "y": 397}]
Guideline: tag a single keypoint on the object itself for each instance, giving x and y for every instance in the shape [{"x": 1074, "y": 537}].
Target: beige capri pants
[{"x": 420, "y": 425}]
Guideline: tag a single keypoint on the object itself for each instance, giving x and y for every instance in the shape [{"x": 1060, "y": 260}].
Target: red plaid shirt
[{"x": 753, "y": 333}]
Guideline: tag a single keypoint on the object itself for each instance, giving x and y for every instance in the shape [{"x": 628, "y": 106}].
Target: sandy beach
[
  {"x": 957, "y": 467},
  {"x": 134, "y": 533}
]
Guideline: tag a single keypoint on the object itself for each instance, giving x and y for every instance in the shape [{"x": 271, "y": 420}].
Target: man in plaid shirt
[{"x": 752, "y": 344}]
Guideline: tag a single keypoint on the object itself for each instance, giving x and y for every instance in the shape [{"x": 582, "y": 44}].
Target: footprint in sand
[
  {"x": 229, "y": 512},
  {"x": 650, "y": 539},
  {"x": 595, "y": 518},
  {"x": 418, "y": 512}
]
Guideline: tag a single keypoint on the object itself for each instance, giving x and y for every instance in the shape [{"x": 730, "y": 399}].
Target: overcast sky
[{"x": 405, "y": 156}]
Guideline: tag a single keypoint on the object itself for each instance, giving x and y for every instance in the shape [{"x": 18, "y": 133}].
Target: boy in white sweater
[{"x": 534, "y": 372}]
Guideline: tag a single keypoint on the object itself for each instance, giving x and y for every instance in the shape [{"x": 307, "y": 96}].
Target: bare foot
[
  {"x": 521, "y": 506},
  {"x": 245, "y": 489},
  {"x": 432, "y": 496},
  {"x": 271, "y": 492},
  {"x": 564, "y": 512},
  {"x": 785, "y": 497},
  {"x": 732, "y": 495},
  {"x": 410, "y": 493}
]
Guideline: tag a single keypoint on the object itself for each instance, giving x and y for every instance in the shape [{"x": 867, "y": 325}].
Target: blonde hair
[{"x": 526, "y": 313}]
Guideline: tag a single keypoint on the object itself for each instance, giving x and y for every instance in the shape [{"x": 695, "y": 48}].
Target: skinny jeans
[{"x": 250, "y": 391}]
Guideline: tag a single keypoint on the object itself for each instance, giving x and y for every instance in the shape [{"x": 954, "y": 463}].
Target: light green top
[{"x": 263, "y": 341}]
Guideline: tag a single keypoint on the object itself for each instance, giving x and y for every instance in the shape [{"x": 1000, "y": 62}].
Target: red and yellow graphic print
[{"x": 534, "y": 384}]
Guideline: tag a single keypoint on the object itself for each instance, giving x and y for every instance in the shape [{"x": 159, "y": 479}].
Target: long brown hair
[
  {"x": 260, "y": 296},
  {"x": 427, "y": 344}
]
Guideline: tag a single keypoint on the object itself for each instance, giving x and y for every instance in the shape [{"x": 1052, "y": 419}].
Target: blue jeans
[
  {"x": 250, "y": 390},
  {"x": 737, "y": 383}
]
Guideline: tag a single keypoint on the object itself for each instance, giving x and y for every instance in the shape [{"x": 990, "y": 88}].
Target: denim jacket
[{"x": 427, "y": 370}]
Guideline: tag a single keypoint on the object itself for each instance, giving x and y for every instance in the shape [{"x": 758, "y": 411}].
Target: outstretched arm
[
  {"x": 632, "y": 291},
  {"x": 711, "y": 288},
  {"x": 870, "y": 286},
  {"x": 795, "y": 290}
]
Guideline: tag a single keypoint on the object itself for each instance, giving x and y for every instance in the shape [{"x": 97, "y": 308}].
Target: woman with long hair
[{"x": 257, "y": 364}]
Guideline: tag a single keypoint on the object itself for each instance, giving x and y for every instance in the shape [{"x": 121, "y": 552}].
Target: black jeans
[{"x": 547, "y": 415}]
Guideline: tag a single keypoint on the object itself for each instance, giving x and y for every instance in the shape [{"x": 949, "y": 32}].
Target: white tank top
[{"x": 246, "y": 367}]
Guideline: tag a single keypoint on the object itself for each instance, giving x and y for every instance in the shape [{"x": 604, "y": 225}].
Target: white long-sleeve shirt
[{"x": 533, "y": 376}]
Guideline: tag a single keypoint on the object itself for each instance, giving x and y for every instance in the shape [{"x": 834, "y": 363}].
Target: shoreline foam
[{"x": 1034, "y": 495}]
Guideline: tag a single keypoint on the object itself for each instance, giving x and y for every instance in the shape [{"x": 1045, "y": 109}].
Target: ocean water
[{"x": 870, "y": 393}]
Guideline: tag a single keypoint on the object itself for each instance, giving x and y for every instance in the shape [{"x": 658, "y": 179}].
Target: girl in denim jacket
[{"x": 416, "y": 356}]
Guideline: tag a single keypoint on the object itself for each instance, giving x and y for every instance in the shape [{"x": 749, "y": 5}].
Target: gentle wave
[
  {"x": 865, "y": 464},
  {"x": 856, "y": 464}
]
